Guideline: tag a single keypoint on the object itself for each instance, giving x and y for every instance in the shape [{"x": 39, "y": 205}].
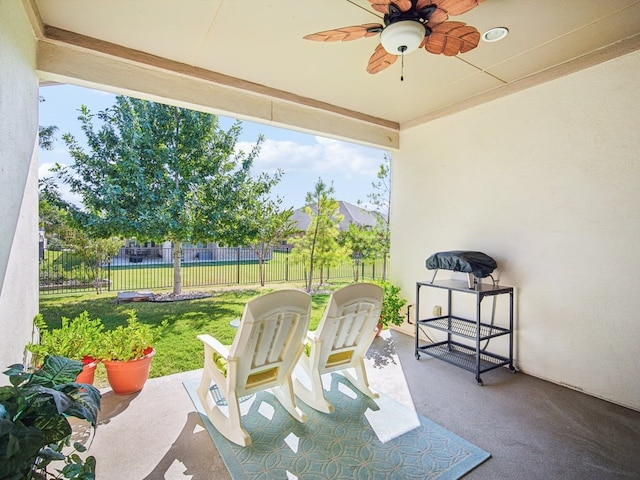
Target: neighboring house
[{"x": 351, "y": 214}]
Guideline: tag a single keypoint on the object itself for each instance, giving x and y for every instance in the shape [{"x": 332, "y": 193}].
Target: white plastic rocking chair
[
  {"x": 342, "y": 339},
  {"x": 264, "y": 352}
]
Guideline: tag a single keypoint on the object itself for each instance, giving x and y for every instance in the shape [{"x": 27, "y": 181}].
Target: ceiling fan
[{"x": 408, "y": 25}]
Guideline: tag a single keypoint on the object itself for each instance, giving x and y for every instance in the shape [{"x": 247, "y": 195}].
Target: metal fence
[{"x": 152, "y": 268}]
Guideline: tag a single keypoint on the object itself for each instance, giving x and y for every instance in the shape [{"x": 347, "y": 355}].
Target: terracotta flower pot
[
  {"x": 88, "y": 371},
  {"x": 128, "y": 377}
]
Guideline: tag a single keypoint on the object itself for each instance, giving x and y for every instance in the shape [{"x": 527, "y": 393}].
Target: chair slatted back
[
  {"x": 348, "y": 325},
  {"x": 270, "y": 339}
]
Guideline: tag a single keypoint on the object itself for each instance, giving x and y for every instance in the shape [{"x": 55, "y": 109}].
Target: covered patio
[{"x": 524, "y": 149}]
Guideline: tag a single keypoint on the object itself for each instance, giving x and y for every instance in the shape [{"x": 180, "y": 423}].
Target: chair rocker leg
[
  {"x": 360, "y": 380},
  {"x": 230, "y": 427},
  {"x": 284, "y": 394},
  {"x": 315, "y": 397}
]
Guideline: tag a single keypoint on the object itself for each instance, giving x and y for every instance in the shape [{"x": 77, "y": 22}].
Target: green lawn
[{"x": 178, "y": 350}]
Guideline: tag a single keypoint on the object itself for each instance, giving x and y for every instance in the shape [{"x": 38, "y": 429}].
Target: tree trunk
[
  {"x": 177, "y": 267},
  {"x": 311, "y": 255},
  {"x": 384, "y": 266},
  {"x": 310, "y": 279},
  {"x": 261, "y": 254}
]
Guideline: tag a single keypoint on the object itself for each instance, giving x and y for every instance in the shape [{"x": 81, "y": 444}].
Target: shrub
[
  {"x": 77, "y": 339},
  {"x": 392, "y": 302}
]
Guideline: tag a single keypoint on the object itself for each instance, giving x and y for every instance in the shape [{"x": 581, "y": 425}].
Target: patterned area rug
[{"x": 362, "y": 439}]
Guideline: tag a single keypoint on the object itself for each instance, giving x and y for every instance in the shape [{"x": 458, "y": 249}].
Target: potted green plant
[
  {"x": 34, "y": 426},
  {"x": 126, "y": 352},
  {"x": 392, "y": 302},
  {"x": 77, "y": 338}
]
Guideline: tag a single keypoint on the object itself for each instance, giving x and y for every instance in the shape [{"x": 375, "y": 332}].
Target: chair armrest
[{"x": 215, "y": 345}]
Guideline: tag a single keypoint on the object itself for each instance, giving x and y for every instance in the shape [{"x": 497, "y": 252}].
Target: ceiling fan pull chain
[{"x": 402, "y": 49}]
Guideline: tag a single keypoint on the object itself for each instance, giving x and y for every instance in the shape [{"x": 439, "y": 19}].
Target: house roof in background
[{"x": 351, "y": 213}]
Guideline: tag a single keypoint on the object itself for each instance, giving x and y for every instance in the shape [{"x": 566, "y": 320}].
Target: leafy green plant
[
  {"x": 131, "y": 341},
  {"x": 78, "y": 338},
  {"x": 34, "y": 429},
  {"x": 392, "y": 302}
]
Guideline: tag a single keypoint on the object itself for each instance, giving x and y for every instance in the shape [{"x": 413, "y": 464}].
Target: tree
[
  {"x": 273, "y": 226},
  {"x": 380, "y": 199},
  {"x": 319, "y": 246},
  {"x": 51, "y": 217},
  {"x": 93, "y": 252},
  {"x": 158, "y": 172},
  {"x": 360, "y": 241},
  {"x": 46, "y": 134}
]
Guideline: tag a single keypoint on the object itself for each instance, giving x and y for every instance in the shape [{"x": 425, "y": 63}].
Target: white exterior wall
[
  {"x": 547, "y": 181},
  {"x": 18, "y": 184}
]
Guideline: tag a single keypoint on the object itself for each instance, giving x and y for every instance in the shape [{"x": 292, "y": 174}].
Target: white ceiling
[{"x": 260, "y": 41}]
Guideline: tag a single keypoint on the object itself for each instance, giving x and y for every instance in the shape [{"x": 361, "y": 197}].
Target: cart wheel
[
  {"x": 512, "y": 369},
  {"x": 417, "y": 355},
  {"x": 479, "y": 380}
]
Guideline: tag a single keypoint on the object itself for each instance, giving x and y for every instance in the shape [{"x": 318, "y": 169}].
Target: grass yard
[{"x": 178, "y": 350}]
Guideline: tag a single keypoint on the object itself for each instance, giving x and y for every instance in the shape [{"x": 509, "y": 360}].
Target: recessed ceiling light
[{"x": 495, "y": 34}]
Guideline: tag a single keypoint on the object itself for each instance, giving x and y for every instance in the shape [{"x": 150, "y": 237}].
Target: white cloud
[{"x": 337, "y": 158}]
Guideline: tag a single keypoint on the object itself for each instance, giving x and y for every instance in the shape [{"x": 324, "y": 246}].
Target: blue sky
[{"x": 303, "y": 158}]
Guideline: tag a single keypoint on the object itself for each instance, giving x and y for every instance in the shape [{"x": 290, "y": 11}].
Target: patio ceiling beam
[{"x": 72, "y": 58}]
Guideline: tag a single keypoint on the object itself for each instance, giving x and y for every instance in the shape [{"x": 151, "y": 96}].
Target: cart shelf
[{"x": 464, "y": 328}]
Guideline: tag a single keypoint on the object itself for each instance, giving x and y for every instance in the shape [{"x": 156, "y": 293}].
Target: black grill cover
[{"x": 478, "y": 263}]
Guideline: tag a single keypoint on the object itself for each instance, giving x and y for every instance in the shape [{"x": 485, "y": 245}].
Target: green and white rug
[{"x": 362, "y": 439}]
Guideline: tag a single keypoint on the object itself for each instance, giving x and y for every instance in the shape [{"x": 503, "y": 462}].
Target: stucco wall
[
  {"x": 547, "y": 182},
  {"x": 18, "y": 183}
]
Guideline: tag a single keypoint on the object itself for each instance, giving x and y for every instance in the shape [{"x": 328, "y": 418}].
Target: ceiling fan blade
[
  {"x": 345, "y": 34},
  {"x": 380, "y": 60},
  {"x": 451, "y": 38},
  {"x": 446, "y": 8},
  {"x": 382, "y": 6},
  {"x": 457, "y": 7}
]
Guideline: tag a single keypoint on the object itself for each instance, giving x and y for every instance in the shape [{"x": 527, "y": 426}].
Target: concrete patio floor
[{"x": 532, "y": 428}]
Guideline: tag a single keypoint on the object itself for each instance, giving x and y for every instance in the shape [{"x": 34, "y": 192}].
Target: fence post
[
  {"x": 286, "y": 266},
  {"x": 109, "y": 276},
  {"x": 238, "y": 265}
]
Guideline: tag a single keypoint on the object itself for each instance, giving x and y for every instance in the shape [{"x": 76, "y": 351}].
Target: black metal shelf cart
[{"x": 470, "y": 357}]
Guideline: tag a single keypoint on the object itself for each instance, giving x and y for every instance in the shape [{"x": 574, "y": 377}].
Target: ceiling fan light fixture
[
  {"x": 402, "y": 37},
  {"x": 495, "y": 34}
]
